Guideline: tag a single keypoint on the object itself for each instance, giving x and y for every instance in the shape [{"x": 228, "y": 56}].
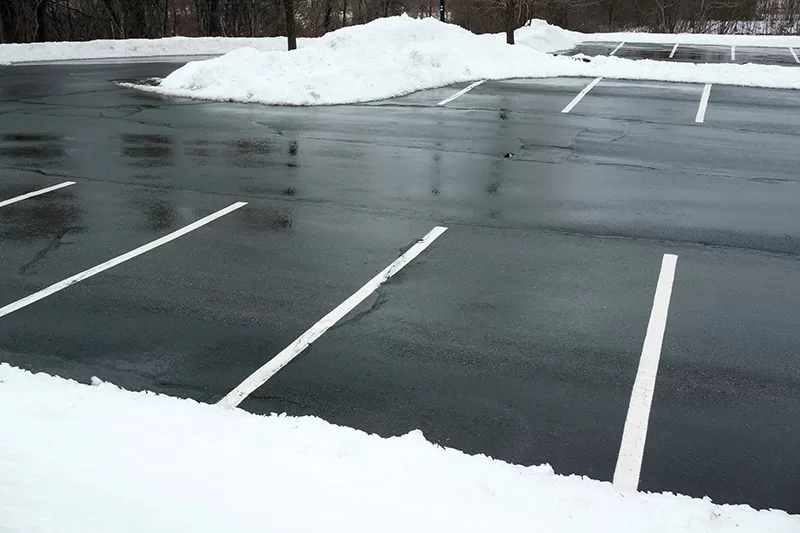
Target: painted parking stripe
[
  {"x": 674, "y": 49},
  {"x": 733, "y": 53},
  {"x": 61, "y": 285},
  {"x": 580, "y": 96},
  {"x": 794, "y": 54},
  {"x": 631, "y": 451},
  {"x": 35, "y": 193},
  {"x": 260, "y": 376},
  {"x": 701, "y": 111},
  {"x": 617, "y": 48},
  {"x": 463, "y": 91}
]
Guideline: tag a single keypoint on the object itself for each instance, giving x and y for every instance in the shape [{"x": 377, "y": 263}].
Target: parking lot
[
  {"x": 762, "y": 55},
  {"x": 517, "y": 333}
]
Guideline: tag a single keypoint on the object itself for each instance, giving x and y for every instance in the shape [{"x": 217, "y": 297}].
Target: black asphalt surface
[
  {"x": 762, "y": 55},
  {"x": 517, "y": 334}
]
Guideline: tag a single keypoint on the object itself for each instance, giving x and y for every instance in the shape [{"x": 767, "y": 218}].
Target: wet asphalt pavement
[
  {"x": 516, "y": 334},
  {"x": 687, "y": 53}
]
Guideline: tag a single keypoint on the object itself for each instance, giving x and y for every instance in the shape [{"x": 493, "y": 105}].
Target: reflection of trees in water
[
  {"x": 158, "y": 211},
  {"x": 200, "y": 150},
  {"x": 147, "y": 150},
  {"x": 436, "y": 171},
  {"x": 268, "y": 218},
  {"x": 41, "y": 217},
  {"x": 34, "y": 146},
  {"x": 248, "y": 153}
]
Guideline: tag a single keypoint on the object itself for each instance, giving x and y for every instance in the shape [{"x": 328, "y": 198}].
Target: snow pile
[
  {"x": 540, "y": 35},
  {"x": 400, "y": 55},
  {"x": 133, "y": 48},
  {"x": 85, "y": 459}
]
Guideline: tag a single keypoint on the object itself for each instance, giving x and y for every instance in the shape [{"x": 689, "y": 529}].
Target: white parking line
[
  {"x": 580, "y": 96},
  {"x": 461, "y": 92},
  {"x": 44, "y": 293},
  {"x": 631, "y": 451},
  {"x": 701, "y": 111},
  {"x": 794, "y": 54},
  {"x": 674, "y": 49},
  {"x": 260, "y": 376},
  {"x": 733, "y": 53},
  {"x": 617, "y": 48},
  {"x": 35, "y": 193}
]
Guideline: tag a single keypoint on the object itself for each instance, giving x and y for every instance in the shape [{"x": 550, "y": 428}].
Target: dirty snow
[{"x": 97, "y": 459}]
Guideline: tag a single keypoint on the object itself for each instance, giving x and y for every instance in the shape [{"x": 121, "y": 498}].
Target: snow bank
[
  {"x": 400, "y": 55},
  {"x": 540, "y": 35},
  {"x": 85, "y": 459},
  {"x": 537, "y": 34},
  {"x": 133, "y": 48}
]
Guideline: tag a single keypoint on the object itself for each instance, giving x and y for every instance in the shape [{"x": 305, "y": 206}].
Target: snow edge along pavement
[{"x": 196, "y": 466}]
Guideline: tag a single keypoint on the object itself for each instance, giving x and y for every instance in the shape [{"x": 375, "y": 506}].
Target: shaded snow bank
[
  {"x": 134, "y": 48},
  {"x": 86, "y": 459},
  {"x": 400, "y": 55}
]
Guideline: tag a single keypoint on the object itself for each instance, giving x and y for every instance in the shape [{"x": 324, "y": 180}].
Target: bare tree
[{"x": 40, "y": 20}]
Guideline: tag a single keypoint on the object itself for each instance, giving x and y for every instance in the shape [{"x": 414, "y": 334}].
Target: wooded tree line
[{"x": 53, "y": 20}]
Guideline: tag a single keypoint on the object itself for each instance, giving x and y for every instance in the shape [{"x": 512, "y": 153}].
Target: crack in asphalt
[
  {"x": 625, "y": 134},
  {"x": 53, "y": 244},
  {"x": 379, "y": 302}
]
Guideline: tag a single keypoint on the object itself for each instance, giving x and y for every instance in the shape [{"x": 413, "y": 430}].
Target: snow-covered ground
[
  {"x": 399, "y": 55},
  {"x": 83, "y": 459},
  {"x": 134, "y": 48}
]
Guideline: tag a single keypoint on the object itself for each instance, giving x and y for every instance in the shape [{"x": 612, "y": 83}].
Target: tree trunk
[
  {"x": 41, "y": 22},
  {"x": 138, "y": 20},
  {"x": 326, "y": 22},
  {"x": 511, "y": 15},
  {"x": 165, "y": 31},
  {"x": 291, "y": 35},
  {"x": 214, "y": 19},
  {"x": 8, "y": 21}
]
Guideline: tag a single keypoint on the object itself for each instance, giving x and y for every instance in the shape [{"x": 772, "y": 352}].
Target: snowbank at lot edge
[
  {"x": 134, "y": 48},
  {"x": 97, "y": 459},
  {"x": 400, "y": 55},
  {"x": 537, "y": 34}
]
